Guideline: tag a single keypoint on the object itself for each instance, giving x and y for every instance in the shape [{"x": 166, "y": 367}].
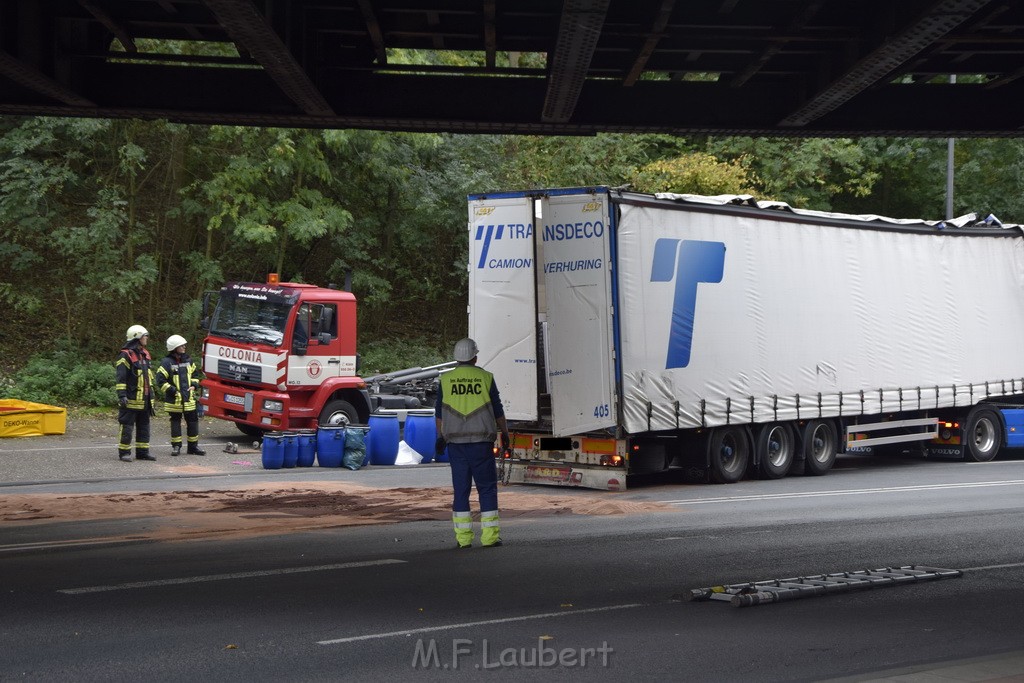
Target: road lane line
[
  {"x": 993, "y": 566},
  {"x": 51, "y": 545},
  {"x": 225, "y": 577},
  {"x": 844, "y": 492},
  {"x": 47, "y": 450},
  {"x": 468, "y": 624},
  {"x": 713, "y": 536}
]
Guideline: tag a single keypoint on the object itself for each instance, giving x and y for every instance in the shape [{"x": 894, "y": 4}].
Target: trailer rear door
[
  {"x": 502, "y": 299},
  {"x": 575, "y": 237}
]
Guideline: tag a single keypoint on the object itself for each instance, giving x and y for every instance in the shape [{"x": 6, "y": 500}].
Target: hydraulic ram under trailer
[{"x": 630, "y": 332}]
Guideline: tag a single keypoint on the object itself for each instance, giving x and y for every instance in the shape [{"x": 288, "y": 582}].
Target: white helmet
[
  {"x": 465, "y": 350},
  {"x": 136, "y": 332},
  {"x": 174, "y": 341}
]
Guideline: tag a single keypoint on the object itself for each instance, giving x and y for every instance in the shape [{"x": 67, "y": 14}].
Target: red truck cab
[{"x": 283, "y": 356}]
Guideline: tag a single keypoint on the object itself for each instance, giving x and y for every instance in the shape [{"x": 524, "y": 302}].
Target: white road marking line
[
  {"x": 224, "y": 577},
  {"x": 112, "y": 444},
  {"x": 993, "y": 566},
  {"x": 468, "y": 624},
  {"x": 713, "y": 536},
  {"x": 846, "y": 492},
  {"x": 47, "y": 545}
]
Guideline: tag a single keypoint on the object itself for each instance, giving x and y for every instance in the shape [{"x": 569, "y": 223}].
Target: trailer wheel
[
  {"x": 728, "y": 454},
  {"x": 775, "y": 450},
  {"x": 819, "y": 447},
  {"x": 983, "y": 434},
  {"x": 338, "y": 413}
]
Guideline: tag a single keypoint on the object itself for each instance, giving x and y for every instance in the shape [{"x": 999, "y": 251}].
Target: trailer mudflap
[
  {"x": 566, "y": 474},
  {"x": 942, "y": 451}
]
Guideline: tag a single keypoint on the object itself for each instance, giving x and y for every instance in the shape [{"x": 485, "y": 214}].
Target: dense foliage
[{"x": 108, "y": 223}]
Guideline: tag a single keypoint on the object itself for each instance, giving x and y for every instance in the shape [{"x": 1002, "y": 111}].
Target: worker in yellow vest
[{"x": 469, "y": 415}]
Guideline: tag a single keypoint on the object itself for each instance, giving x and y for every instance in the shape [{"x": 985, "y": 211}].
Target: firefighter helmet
[
  {"x": 465, "y": 350},
  {"x": 136, "y": 332},
  {"x": 174, "y": 341}
]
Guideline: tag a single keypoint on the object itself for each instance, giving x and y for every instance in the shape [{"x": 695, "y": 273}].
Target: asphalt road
[{"x": 396, "y": 601}]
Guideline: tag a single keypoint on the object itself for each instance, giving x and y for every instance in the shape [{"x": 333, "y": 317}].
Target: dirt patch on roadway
[{"x": 299, "y": 506}]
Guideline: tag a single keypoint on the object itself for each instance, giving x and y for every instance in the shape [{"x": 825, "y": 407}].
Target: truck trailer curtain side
[{"x": 760, "y": 316}]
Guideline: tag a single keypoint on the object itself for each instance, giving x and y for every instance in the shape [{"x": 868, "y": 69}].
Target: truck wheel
[
  {"x": 775, "y": 450},
  {"x": 728, "y": 454},
  {"x": 819, "y": 447},
  {"x": 249, "y": 430},
  {"x": 338, "y": 413},
  {"x": 983, "y": 434}
]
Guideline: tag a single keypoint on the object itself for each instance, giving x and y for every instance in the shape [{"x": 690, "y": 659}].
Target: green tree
[
  {"x": 695, "y": 173},
  {"x": 911, "y": 179},
  {"x": 275, "y": 189},
  {"x": 74, "y": 199},
  {"x": 808, "y": 173},
  {"x": 988, "y": 178},
  {"x": 407, "y": 244},
  {"x": 604, "y": 159}
]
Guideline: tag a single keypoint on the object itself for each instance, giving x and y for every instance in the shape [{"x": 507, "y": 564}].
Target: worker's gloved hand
[
  {"x": 505, "y": 441},
  {"x": 439, "y": 445},
  {"x": 123, "y": 401},
  {"x": 171, "y": 393}
]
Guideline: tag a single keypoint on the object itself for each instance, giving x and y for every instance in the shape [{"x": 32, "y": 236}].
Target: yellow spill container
[{"x": 24, "y": 418}]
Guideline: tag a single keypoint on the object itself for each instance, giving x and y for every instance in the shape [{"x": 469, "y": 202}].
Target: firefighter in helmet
[
  {"x": 178, "y": 380},
  {"x": 469, "y": 415},
  {"x": 134, "y": 385}
]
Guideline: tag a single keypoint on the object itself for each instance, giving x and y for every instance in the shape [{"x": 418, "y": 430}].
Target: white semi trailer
[{"x": 631, "y": 333}]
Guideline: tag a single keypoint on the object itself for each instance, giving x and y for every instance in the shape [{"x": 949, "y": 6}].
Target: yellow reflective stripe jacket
[
  {"x": 181, "y": 374},
  {"x": 134, "y": 376}
]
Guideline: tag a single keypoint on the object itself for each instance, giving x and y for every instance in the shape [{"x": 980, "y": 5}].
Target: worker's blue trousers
[{"x": 473, "y": 462}]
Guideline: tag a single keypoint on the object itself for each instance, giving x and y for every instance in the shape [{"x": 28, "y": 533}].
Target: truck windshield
[{"x": 250, "y": 320}]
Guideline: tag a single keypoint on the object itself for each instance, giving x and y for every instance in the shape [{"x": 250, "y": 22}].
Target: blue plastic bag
[{"x": 355, "y": 447}]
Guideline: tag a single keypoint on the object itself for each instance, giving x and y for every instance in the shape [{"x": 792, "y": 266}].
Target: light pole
[{"x": 950, "y": 143}]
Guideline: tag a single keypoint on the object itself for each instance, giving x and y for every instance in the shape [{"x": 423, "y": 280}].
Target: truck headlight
[{"x": 273, "y": 406}]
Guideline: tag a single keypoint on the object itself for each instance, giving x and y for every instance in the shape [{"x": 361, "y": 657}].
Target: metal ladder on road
[{"x": 780, "y": 590}]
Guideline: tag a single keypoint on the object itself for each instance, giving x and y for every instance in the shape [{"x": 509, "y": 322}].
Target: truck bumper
[
  {"x": 247, "y": 406},
  {"x": 565, "y": 474}
]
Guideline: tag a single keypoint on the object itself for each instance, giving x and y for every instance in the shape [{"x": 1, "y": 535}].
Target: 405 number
[{"x": 601, "y": 410}]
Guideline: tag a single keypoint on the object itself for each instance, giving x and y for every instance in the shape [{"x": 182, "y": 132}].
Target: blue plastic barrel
[
  {"x": 421, "y": 433},
  {"x": 330, "y": 445},
  {"x": 273, "y": 451},
  {"x": 291, "y": 449},
  {"x": 382, "y": 441},
  {"x": 306, "y": 439}
]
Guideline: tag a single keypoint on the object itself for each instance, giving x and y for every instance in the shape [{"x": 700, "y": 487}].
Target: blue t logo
[
  {"x": 486, "y": 237},
  {"x": 697, "y": 262}
]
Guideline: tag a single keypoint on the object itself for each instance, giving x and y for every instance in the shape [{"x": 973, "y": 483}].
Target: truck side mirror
[
  {"x": 324, "y": 337},
  {"x": 204, "y": 322},
  {"x": 299, "y": 347},
  {"x": 326, "y": 319}
]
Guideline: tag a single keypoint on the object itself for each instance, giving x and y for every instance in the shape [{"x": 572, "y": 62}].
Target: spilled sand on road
[{"x": 262, "y": 509}]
